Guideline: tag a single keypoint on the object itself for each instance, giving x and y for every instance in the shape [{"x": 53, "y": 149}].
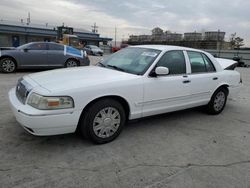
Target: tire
[
  {"x": 218, "y": 101},
  {"x": 103, "y": 121},
  {"x": 7, "y": 65},
  {"x": 71, "y": 63}
]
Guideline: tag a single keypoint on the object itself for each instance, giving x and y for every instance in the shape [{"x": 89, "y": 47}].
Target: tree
[{"x": 236, "y": 42}]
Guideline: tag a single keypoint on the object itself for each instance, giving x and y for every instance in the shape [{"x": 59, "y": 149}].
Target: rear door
[
  {"x": 203, "y": 77},
  {"x": 56, "y": 57},
  {"x": 34, "y": 55}
]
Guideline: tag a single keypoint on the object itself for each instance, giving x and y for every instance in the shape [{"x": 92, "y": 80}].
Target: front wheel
[
  {"x": 218, "y": 101},
  {"x": 103, "y": 121},
  {"x": 71, "y": 63},
  {"x": 7, "y": 65}
]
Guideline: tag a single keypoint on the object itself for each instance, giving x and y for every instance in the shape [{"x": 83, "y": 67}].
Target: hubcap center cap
[{"x": 107, "y": 121}]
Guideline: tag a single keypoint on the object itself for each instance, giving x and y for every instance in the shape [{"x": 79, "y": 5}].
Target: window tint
[
  {"x": 174, "y": 61},
  {"x": 208, "y": 63},
  {"x": 197, "y": 62},
  {"x": 200, "y": 62},
  {"x": 38, "y": 46},
  {"x": 55, "y": 47}
]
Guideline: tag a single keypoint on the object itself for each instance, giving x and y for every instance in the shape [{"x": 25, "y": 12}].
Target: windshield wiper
[
  {"x": 101, "y": 64},
  {"x": 116, "y": 68}
]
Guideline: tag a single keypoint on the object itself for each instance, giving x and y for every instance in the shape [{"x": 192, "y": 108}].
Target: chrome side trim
[{"x": 167, "y": 100}]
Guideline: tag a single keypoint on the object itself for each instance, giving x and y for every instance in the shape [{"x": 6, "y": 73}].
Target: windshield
[
  {"x": 74, "y": 41},
  {"x": 94, "y": 47},
  {"x": 132, "y": 60},
  {"x": 23, "y": 46}
]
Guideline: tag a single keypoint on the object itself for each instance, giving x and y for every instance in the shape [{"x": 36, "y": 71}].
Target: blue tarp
[{"x": 68, "y": 50}]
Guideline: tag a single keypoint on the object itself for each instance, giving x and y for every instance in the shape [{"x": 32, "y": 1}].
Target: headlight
[{"x": 50, "y": 103}]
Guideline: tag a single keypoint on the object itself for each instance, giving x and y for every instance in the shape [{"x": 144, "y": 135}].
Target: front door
[
  {"x": 167, "y": 93},
  {"x": 35, "y": 55}
]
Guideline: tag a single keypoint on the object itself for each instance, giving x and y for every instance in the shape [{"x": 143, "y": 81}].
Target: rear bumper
[
  {"x": 234, "y": 91},
  {"x": 85, "y": 62},
  {"x": 38, "y": 123}
]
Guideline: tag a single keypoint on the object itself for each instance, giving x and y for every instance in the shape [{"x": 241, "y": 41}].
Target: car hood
[
  {"x": 7, "y": 48},
  {"x": 72, "y": 78}
]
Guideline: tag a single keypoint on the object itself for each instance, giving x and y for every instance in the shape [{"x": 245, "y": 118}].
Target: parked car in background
[
  {"x": 135, "y": 82},
  {"x": 93, "y": 50},
  {"x": 41, "y": 55}
]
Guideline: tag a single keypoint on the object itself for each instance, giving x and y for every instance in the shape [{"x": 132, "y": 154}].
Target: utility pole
[
  {"x": 28, "y": 19},
  {"x": 95, "y": 27},
  {"x": 219, "y": 41},
  {"x": 115, "y": 35}
]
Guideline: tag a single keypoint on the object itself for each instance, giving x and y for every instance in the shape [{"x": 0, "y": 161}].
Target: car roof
[{"x": 165, "y": 47}]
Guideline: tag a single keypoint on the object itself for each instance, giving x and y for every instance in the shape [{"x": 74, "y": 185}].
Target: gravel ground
[{"x": 181, "y": 149}]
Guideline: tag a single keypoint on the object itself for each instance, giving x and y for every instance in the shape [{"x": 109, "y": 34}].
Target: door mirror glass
[
  {"x": 161, "y": 71},
  {"x": 26, "y": 49}
]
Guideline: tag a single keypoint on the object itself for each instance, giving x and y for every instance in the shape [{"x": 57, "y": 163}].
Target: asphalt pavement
[{"x": 181, "y": 149}]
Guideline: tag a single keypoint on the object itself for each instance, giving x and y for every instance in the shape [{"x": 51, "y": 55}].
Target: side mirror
[
  {"x": 26, "y": 49},
  {"x": 161, "y": 71}
]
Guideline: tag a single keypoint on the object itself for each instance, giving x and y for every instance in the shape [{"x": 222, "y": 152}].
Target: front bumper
[{"x": 43, "y": 123}]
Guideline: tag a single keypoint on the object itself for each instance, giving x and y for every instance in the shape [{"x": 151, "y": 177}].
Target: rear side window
[
  {"x": 56, "y": 47},
  {"x": 200, "y": 63},
  {"x": 208, "y": 63},
  {"x": 174, "y": 61}
]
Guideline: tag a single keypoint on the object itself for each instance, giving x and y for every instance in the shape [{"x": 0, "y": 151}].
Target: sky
[{"x": 135, "y": 16}]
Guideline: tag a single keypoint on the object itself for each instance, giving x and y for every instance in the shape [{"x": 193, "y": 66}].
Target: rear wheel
[
  {"x": 218, "y": 101},
  {"x": 71, "y": 63},
  {"x": 7, "y": 65},
  {"x": 103, "y": 121}
]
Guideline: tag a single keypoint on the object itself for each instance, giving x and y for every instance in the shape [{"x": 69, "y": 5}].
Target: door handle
[
  {"x": 215, "y": 78},
  {"x": 186, "y": 81}
]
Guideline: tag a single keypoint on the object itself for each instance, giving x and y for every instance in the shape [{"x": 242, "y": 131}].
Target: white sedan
[{"x": 135, "y": 82}]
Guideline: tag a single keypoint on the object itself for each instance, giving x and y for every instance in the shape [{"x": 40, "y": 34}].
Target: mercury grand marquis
[{"x": 133, "y": 83}]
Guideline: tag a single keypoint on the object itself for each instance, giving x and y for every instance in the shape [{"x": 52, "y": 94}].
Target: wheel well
[
  {"x": 119, "y": 99},
  {"x": 6, "y": 56},
  {"x": 224, "y": 86}
]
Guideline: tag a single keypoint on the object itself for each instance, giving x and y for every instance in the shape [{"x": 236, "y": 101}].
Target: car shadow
[{"x": 133, "y": 126}]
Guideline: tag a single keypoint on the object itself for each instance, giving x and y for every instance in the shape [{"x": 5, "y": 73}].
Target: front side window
[
  {"x": 132, "y": 60},
  {"x": 38, "y": 46},
  {"x": 200, "y": 63},
  {"x": 174, "y": 61}
]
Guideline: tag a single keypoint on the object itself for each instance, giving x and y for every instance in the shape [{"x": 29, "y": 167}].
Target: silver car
[
  {"x": 93, "y": 50},
  {"x": 41, "y": 55}
]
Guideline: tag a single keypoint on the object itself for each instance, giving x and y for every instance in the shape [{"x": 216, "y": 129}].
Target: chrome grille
[{"x": 22, "y": 90}]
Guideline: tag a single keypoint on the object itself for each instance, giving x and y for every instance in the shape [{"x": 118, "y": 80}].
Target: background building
[
  {"x": 16, "y": 35},
  {"x": 214, "y": 36},
  {"x": 210, "y": 39},
  {"x": 192, "y": 36}
]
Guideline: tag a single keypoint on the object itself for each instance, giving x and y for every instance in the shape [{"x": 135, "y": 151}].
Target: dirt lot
[{"x": 181, "y": 149}]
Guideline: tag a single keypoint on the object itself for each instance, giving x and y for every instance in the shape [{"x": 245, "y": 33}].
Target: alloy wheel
[
  {"x": 71, "y": 63},
  {"x": 8, "y": 65}
]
